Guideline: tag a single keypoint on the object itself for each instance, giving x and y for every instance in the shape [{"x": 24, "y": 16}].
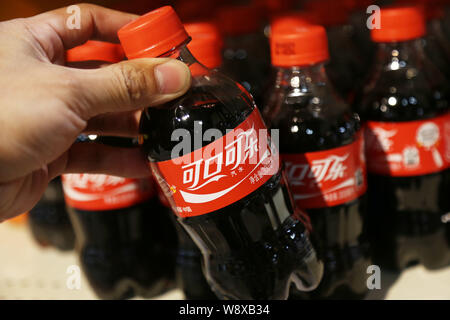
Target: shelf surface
[{"x": 28, "y": 271}]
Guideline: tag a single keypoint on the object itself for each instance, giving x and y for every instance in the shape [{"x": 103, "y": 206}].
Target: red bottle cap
[
  {"x": 237, "y": 20},
  {"x": 290, "y": 19},
  {"x": 299, "y": 46},
  {"x": 96, "y": 51},
  {"x": 399, "y": 24},
  {"x": 206, "y": 44},
  {"x": 152, "y": 34}
]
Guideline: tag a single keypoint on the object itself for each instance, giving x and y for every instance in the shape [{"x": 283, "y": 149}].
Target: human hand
[{"x": 44, "y": 106}]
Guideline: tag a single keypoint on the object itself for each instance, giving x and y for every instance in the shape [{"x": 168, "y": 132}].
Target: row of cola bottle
[{"x": 224, "y": 218}]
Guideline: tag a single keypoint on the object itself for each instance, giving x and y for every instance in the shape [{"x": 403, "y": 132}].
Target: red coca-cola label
[
  {"x": 402, "y": 149},
  {"x": 221, "y": 173},
  {"x": 99, "y": 192},
  {"x": 327, "y": 178}
]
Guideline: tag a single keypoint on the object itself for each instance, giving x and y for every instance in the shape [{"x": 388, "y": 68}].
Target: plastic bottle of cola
[
  {"x": 219, "y": 170},
  {"x": 407, "y": 126},
  {"x": 321, "y": 144},
  {"x": 206, "y": 45},
  {"x": 125, "y": 240}
]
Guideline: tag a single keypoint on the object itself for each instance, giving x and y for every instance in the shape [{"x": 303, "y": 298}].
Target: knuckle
[{"x": 134, "y": 83}]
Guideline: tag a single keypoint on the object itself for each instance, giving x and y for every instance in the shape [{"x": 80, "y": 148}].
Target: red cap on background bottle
[
  {"x": 292, "y": 19},
  {"x": 152, "y": 34},
  {"x": 330, "y": 12},
  {"x": 96, "y": 51},
  {"x": 399, "y": 24},
  {"x": 299, "y": 46},
  {"x": 206, "y": 44},
  {"x": 237, "y": 20}
]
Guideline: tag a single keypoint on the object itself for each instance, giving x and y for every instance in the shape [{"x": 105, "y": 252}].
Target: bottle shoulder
[
  {"x": 405, "y": 88},
  {"x": 212, "y": 102},
  {"x": 402, "y": 95},
  {"x": 314, "y": 124}
]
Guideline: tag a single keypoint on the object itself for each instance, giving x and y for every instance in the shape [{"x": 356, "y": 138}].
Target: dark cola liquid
[
  {"x": 246, "y": 59},
  {"x": 126, "y": 252},
  {"x": 338, "y": 230},
  {"x": 189, "y": 270},
  {"x": 48, "y": 220},
  {"x": 405, "y": 213},
  {"x": 253, "y": 248},
  {"x": 189, "y": 273}
]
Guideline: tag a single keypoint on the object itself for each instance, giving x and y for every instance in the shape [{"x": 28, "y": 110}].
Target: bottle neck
[
  {"x": 304, "y": 89},
  {"x": 182, "y": 53},
  {"x": 302, "y": 81},
  {"x": 400, "y": 55}
]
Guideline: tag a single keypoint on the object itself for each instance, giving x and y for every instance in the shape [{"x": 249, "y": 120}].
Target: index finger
[{"x": 63, "y": 29}]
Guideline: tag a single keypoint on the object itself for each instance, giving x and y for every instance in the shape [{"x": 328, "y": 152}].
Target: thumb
[{"x": 130, "y": 85}]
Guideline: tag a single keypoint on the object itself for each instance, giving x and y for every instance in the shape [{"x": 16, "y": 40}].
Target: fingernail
[{"x": 171, "y": 76}]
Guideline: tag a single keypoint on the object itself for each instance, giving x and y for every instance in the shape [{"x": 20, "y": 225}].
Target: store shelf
[{"x": 30, "y": 272}]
